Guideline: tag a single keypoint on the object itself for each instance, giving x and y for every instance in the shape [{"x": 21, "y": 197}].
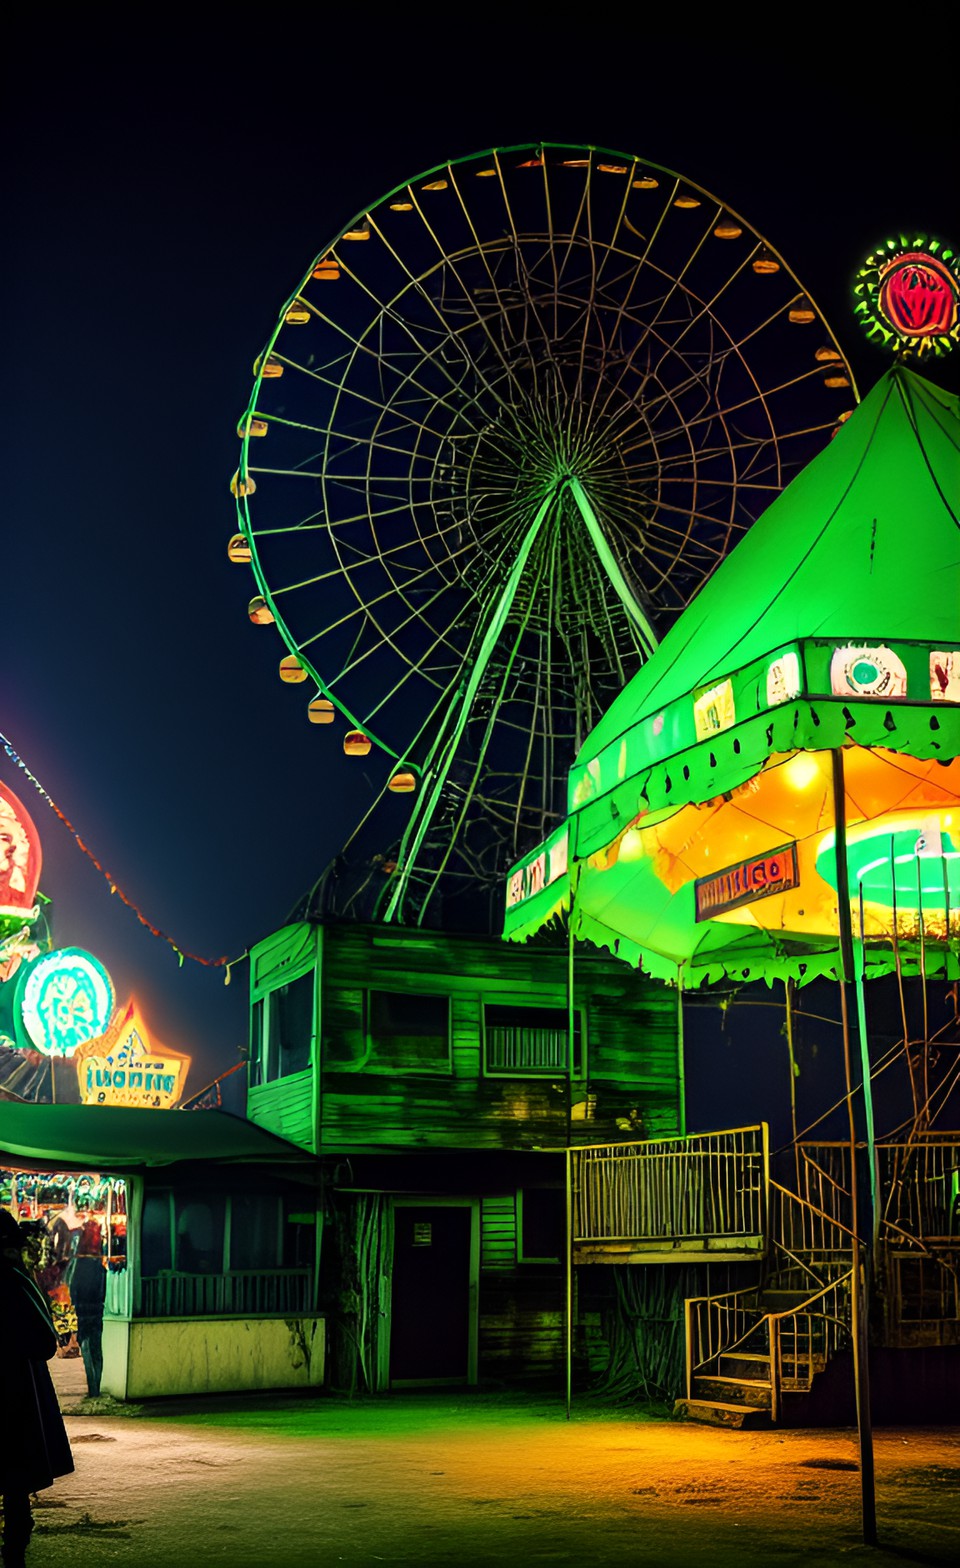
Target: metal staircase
[{"x": 749, "y": 1351}]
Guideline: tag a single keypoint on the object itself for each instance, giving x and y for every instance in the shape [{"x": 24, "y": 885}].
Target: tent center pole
[{"x": 858, "y": 1324}]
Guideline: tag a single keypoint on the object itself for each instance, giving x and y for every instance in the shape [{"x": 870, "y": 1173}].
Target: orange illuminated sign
[
  {"x": 747, "y": 881},
  {"x": 125, "y": 1067}
]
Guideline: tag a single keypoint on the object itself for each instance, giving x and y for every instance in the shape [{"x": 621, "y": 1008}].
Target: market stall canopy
[
  {"x": 121, "y": 1140},
  {"x": 706, "y": 788}
]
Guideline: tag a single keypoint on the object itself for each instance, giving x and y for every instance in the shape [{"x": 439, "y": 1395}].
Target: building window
[
  {"x": 283, "y": 1031},
  {"x": 541, "y": 1224},
  {"x": 200, "y": 1225},
  {"x": 156, "y": 1234},
  {"x": 223, "y": 1233},
  {"x": 408, "y": 1032},
  {"x": 530, "y": 1040}
]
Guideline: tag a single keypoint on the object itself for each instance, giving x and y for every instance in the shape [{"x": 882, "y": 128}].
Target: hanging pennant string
[{"x": 182, "y": 953}]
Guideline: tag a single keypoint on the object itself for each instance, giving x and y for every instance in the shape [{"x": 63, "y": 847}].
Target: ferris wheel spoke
[
  {"x": 448, "y": 266},
  {"x": 386, "y": 637},
  {"x": 527, "y": 418},
  {"x": 385, "y": 362},
  {"x": 440, "y": 756},
  {"x": 486, "y": 739},
  {"x": 516, "y": 241}
]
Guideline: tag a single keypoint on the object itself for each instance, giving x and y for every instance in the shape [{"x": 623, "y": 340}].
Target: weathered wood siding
[
  {"x": 521, "y": 1323},
  {"x": 286, "y": 1108},
  {"x": 630, "y": 1045},
  {"x": 521, "y": 1331}
]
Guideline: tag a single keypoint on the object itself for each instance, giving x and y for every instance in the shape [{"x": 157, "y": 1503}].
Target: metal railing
[
  {"x": 713, "y": 1325},
  {"x": 798, "y": 1341},
  {"x": 253, "y": 1293},
  {"x": 804, "y": 1233},
  {"x": 823, "y": 1179},
  {"x": 710, "y": 1185},
  {"x": 804, "y": 1338},
  {"x": 917, "y": 1189}
]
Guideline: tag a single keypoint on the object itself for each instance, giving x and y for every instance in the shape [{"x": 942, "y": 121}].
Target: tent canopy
[
  {"x": 116, "y": 1139},
  {"x": 834, "y": 622}
]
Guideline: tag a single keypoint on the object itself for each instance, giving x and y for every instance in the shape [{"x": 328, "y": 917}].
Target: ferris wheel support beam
[
  {"x": 439, "y": 765},
  {"x": 647, "y": 635}
]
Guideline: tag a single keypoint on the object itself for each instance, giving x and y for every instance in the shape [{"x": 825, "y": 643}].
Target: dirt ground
[{"x": 476, "y": 1479}]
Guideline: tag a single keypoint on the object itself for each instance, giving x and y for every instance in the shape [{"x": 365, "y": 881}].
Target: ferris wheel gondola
[{"x": 508, "y": 423}]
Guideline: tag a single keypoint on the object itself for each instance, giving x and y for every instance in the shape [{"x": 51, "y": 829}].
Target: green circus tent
[{"x": 835, "y": 620}]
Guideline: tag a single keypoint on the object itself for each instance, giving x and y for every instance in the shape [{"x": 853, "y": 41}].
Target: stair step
[
  {"x": 755, "y": 1392},
  {"x": 719, "y": 1412},
  {"x": 716, "y": 1377}
]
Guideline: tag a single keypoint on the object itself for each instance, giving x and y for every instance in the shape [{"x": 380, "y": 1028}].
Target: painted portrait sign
[{"x": 20, "y": 858}]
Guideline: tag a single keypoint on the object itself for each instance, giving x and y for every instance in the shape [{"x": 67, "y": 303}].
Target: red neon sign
[{"x": 747, "y": 881}]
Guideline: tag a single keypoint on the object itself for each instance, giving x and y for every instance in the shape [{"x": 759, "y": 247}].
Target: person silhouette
[
  {"x": 33, "y": 1441},
  {"x": 88, "y": 1289}
]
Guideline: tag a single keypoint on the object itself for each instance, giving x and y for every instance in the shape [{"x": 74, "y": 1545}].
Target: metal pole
[
  {"x": 788, "y": 993},
  {"x": 681, "y": 1065},
  {"x": 861, "y": 1372},
  {"x": 569, "y": 1282}
]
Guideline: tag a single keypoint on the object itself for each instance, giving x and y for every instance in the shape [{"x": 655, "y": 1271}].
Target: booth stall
[{"x": 209, "y": 1236}]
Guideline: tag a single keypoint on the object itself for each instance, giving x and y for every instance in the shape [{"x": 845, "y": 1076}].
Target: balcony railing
[
  {"x": 707, "y": 1193},
  {"x": 918, "y": 1190},
  {"x": 252, "y": 1293}
]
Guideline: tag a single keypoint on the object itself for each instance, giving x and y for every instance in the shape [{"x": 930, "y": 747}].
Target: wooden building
[
  {"x": 441, "y": 1078},
  {"x": 215, "y": 1287}
]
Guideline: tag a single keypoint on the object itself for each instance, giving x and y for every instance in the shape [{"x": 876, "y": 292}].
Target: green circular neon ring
[{"x": 61, "y": 1000}]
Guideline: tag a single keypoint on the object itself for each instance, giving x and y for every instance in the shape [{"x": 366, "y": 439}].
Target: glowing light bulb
[
  {"x": 801, "y": 771},
  {"x": 631, "y": 845}
]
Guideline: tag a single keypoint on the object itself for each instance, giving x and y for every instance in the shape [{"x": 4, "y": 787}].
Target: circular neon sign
[
  {"x": 908, "y": 293},
  {"x": 908, "y": 861},
  {"x": 19, "y": 858},
  {"x": 62, "y": 999}
]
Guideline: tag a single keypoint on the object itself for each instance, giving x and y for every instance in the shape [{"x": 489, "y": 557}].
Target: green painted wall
[{"x": 350, "y": 1098}]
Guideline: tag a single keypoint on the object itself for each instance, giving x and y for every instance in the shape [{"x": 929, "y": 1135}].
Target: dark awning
[{"x": 116, "y": 1139}]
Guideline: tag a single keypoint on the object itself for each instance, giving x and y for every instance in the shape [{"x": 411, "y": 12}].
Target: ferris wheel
[{"x": 506, "y": 425}]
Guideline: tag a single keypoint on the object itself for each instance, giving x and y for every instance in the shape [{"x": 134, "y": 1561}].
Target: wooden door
[{"x": 433, "y": 1319}]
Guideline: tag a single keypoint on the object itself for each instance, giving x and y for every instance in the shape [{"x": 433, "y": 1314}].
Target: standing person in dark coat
[
  {"x": 33, "y": 1440},
  {"x": 88, "y": 1290}
]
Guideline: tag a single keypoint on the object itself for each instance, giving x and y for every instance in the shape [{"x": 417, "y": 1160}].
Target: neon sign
[
  {"x": 61, "y": 1000},
  {"x": 545, "y": 868},
  {"x": 126, "y": 1067},
  {"x": 907, "y": 295},
  {"x": 744, "y": 883},
  {"x": 19, "y": 858}
]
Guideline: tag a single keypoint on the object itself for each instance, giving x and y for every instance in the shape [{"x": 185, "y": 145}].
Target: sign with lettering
[
  {"x": 545, "y": 868},
  {"x": 714, "y": 710},
  {"x": 749, "y": 880},
  {"x": 125, "y": 1067}
]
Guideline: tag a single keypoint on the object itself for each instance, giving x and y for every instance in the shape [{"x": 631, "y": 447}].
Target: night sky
[{"x": 161, "y": 202}]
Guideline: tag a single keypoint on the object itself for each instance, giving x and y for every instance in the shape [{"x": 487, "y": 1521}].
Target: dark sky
[{"x": 161, "y": 200}]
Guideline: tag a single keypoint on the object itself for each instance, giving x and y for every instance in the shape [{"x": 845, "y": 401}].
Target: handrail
[
  {"x": 746, "y": 1321},
  {"x": 798, "y": 1262},
  {"x": 820, "y": 1213},
  {"x": 787, "y": 1312},
  {"x": 680, "y": 1137},
  {"x": 825, "y": 1174},
  {"x": 706, "y": 1185}
]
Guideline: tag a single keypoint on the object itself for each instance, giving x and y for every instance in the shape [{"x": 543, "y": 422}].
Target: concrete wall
[{"x": 151, "y": 1357}]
